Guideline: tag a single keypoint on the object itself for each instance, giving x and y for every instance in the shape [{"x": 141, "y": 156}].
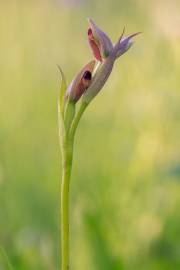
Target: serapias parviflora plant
[{"x": 84, "y": 87}]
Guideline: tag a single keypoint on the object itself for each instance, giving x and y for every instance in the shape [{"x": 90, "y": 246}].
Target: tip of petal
[
  {"x": 89, "y": 20},
  {"x": 135, "y": 34},
  {"x": 91, "y": 23},
  {"x": 90, "y": 66},
  {"x": 121, "y": 36}
]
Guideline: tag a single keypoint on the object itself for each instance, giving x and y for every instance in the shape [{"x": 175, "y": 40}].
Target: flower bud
[
  {"x": 80, "y": 83},
  {"x": 100, "y": 43}
]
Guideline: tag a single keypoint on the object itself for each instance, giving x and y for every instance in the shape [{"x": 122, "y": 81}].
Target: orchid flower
[
  {"x": 85, "y": 86},
  {"x": 105, "y": 53}
]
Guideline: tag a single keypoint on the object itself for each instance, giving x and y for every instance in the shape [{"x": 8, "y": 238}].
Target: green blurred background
[{"x": 125, "y": 192}]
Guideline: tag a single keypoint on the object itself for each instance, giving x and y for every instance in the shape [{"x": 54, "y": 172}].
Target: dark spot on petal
[{"x": 87, "y": 75}]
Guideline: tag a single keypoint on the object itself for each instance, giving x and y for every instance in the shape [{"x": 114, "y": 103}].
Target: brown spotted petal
[
  {"x": 100, "y": 43},
  {"x": 80, "y": 83}
]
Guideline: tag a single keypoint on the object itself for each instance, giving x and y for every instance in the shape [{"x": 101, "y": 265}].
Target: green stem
[
  {"x": 77, "y": 119},
  {"x": 67, "y": 154},
  {"x": 66, "y": 144}
]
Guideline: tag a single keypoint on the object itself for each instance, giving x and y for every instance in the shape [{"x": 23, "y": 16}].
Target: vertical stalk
[
  {"x": 67, "y": 154},
  {"x": 66, "y": 136}
]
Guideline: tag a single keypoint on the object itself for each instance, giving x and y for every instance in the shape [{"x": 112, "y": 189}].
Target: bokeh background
[{"x": 125, "y": 192}]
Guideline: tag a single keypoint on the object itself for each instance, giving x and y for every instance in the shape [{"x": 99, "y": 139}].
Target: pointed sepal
[{"x": 124, "y": 44}]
